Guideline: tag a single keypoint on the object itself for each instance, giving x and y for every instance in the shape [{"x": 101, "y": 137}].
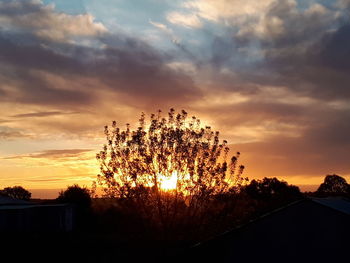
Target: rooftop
[
  {"x": 337, "y": 203},
  {"x": 4, "y": 200}
]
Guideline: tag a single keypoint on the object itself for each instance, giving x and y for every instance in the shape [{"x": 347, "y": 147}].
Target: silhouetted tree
[
  {"x": 268, "y": 188},
  {"x": 81, "y": 199},
  {"x": 17, "y": 192},
  {"x": 136, "y": 166},
  {"x": 80, "y": 196},
  {"x": 333, "y": 185}
]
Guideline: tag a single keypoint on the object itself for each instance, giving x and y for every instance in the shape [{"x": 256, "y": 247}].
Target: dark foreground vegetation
[
  {"x": 16, "y": 192},
  {"x": 224, "y": 212},
  {"x": 221, "y": 213},
  {"x": 107, "y": 227}
]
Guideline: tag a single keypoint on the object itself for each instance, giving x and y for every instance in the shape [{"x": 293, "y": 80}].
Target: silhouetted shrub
[
  {"x": 271, "y": 188},
  {"x": 17, "y": 192},
  {"x": 333, "y": 185},
  {"x": 79, "y": 196},
  {"x": 81, "y": 199}
]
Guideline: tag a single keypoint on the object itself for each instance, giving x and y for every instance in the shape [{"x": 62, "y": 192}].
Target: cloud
[
  {"x": 8, "y": 133},
  {"x": 138, "y": 70},
  {"x": 40, "y": 114},
  {"x": 4, "y": 121},
  {"x": 284, "y": 23},
  {"x": 186, "y": 20},
  {"x": 53, "y": 154},
  {"x": 281, "y": 132},
  {"x": 57, "y": 154},
  {"x": 26, "y": 73},
  {"x": 46, "y": 180},
  {"x": 161, "y": 26},
  {"x": 342, "y": 4},
  {"x": 70, "y": 76},
  {"x": 320, "y": 150},
  {"x": 226, "y": 9},
  {"x": 319, "y": 69},
  {"x": 44, "y": 22},
  {"x": 319, "y": 144},
  {"x": 301, "y": 49},
  {"x": 168, "y": 31}
]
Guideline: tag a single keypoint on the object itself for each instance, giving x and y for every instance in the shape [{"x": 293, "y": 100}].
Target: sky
[{"x": 272, "y": 76}]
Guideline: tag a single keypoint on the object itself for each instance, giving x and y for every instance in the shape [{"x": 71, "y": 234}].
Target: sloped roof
[
  {"x": 4, "y": 200},
  {"x": 336, "y": 203},
  {"x": 306, "y": 231}
]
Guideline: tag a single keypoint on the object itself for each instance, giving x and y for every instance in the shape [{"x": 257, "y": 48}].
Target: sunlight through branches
[{"x": 168, "y": 162}]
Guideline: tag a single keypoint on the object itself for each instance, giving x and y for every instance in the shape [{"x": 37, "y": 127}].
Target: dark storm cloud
[
  {"x": 306, "y": 50},
  {"x": 321, "y": 71},
  {"x": 310, "y": 58},
  {"x": 332, "y": 133},
  {"x": 335, "y": 53},
  {"x": 323, "y": 148},
  {"x": 26, "y": 51},
  {"x": 343, "y": 3},
  {"x": 34, "y": 88},
  {"x": 139, "y": 71},
  {"x": 15, "y": 8},
  {"x": 310, "y": 55},
  {"x": 135, "y": 69},
  {"x": 254, "y": 112},
  {"x": 124, "y": 64},
  {"x": 24, "y": 59}
]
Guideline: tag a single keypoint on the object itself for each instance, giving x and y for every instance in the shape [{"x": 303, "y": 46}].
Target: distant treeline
[{"x": 129, "y": 219}]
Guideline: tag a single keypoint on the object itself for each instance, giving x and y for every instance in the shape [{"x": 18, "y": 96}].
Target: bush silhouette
[
  {"x": 268, "y": 188},
  {"x": 17, "y": 192},
  {"x": 80, "y": 196},
  {"x": 333, "y": 185}
]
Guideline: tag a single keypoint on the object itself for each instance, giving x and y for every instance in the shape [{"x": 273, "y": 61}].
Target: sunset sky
[{"x": 272, "y": 76}]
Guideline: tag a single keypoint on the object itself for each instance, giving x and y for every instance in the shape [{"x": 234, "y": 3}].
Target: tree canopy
[
  {"x": 172, "y": 147},
  {"x": 17, "y": 192},
  {"x": 271, "y": 188},
  {"x": 166, "y": 165},
  {"x": 334, "y": 185},
  {"x": 76, "y": 195}
]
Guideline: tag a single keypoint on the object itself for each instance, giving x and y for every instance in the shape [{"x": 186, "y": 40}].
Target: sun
[{"x": 168, "y": 183}]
